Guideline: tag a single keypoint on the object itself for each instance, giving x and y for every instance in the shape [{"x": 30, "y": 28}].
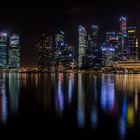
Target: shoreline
[{"x": 74, "y": 71}]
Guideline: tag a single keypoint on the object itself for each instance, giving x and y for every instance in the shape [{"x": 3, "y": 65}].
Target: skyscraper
[
  {"x": 123, "y": 22},
  {"x": 82, "y": 43},
  {"x": 92, "y": 47},
  {"x": 93, "y": 36},
  {"x": 108, "y": 54},
  {"x": 132, "y": 42},
  {"x": 45, "y": 51},
  {"x": 14, "y": 52},
  {"x": 3, "y": 50},
  {"x": 59, "y": 39},
  {"x": 119, "y": 34},
  {"x": 113, "y": 40},
  {"x": 123, "y": 29},
  {"x": 65, "y": 56}
]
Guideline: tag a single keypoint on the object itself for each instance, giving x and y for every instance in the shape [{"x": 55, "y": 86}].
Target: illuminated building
[
  {"x": 123, "y": 29},
  {"x": 14, "y": 52},
  {"x": 132, "y": 42},
  {"x": 93, "y": 36},
  {"x": 112, "y": 39},
  {"x": 88, "y": 58},
  {"x": 119, "y": 34},
  {"x": 59, "y": 39},
  {"x": 45, "y": 51},
  {"x": 82, "y": 43},
  {"x": 3, "y": 50},
  {"x": 63, "y": 52},
  {"x": 65, "y": 55},
  {"x": 108, "y": 54},
  {"x": 123, "y": 22}
]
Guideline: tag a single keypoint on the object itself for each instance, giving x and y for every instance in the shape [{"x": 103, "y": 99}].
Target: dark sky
[{"x": 32, "y": 18}]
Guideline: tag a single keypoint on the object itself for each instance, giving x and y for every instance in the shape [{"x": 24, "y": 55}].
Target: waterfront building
[
  {"x": 87, "y": 59},
  {"x": 108, "y": 54},
  {"x": 3, "y": 50},
  {"x": 82, "y": 43},
  {"x": 113, "y": 40},
  {"x": 129, "y": 65},
  {"x": 59, "y": 39},
  {"x": 93, "y": 46},
  {"x": 93, "y": 36},
  {"x": 63, "y": 52},
  {"x": 14, "y": 51},
  {"x": 132, "y": 42},
  {"x": 124, "y": 45},
  {"x": 119, "y": 34},
  {"x": 45, "y": 51},
  {"x": 65, "y": 55}
]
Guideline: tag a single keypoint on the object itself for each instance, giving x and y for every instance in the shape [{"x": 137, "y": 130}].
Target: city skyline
[
  {"x": 50, "y": 16},
  {"x": 70, "y": 69},
  {"x": 91, "y": 39}
]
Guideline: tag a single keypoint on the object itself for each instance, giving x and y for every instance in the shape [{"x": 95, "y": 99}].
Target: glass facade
[
  {"x": 93, "y": 39},
  {"x": 14, "y": 52},
  {"x": 59, "y": 39},
  {"x": 132, "y": 42},
  {"x": 82, "y": 43},
  {"x": 123, "y": 29},
  {"x": 3, "y": 50},
  {"x": 45, "y": 52}
]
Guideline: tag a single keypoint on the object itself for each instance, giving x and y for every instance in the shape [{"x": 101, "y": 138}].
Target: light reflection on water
[
  {"x": 14, "y": 88},
  {"x": 94, "y": 112},
  {"x": 3, "y": 99},
  {"x": 108, "y": 93},
  {"x": 87, "y": 95},
  {"x": 81, "y": 102},
  {"x": 70, "y": 87},
  {"x": 60, "y": 94}
]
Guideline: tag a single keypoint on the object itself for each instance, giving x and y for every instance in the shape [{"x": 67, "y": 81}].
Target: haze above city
[{"x": 31, "y": 19}]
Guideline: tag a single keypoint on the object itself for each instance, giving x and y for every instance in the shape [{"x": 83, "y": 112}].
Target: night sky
[{"x": 31, "y": 19}]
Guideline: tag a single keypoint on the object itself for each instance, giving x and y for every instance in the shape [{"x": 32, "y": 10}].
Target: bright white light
[
  {"x": 4, "y": 34},
  {"x": 62, "y": 43}
]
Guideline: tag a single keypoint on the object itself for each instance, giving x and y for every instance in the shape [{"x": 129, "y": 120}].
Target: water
[{"x": 104, "y": 105}]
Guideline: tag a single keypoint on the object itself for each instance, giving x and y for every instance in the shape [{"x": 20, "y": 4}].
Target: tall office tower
[
  {"x": 93, "y": 36},
  {"x": 108, "y": 54},
  {"x": 123, "y": 23},
  {"x": 113, "y": 40},
  {"x": 82, "y": 43},
  {"x": 3, "y": 50},
  {"x": 123, "y": 29},
  {"x": 119, "y": 34},
  {"x": 132, "y": 42},
  {"x": 65, "y": 57},
  {"x": 14, "y": 52},
  {"x": 59, "y": 39},
  {"x": 45, "y": 51},
  {"x": 91, "y": 50}
]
